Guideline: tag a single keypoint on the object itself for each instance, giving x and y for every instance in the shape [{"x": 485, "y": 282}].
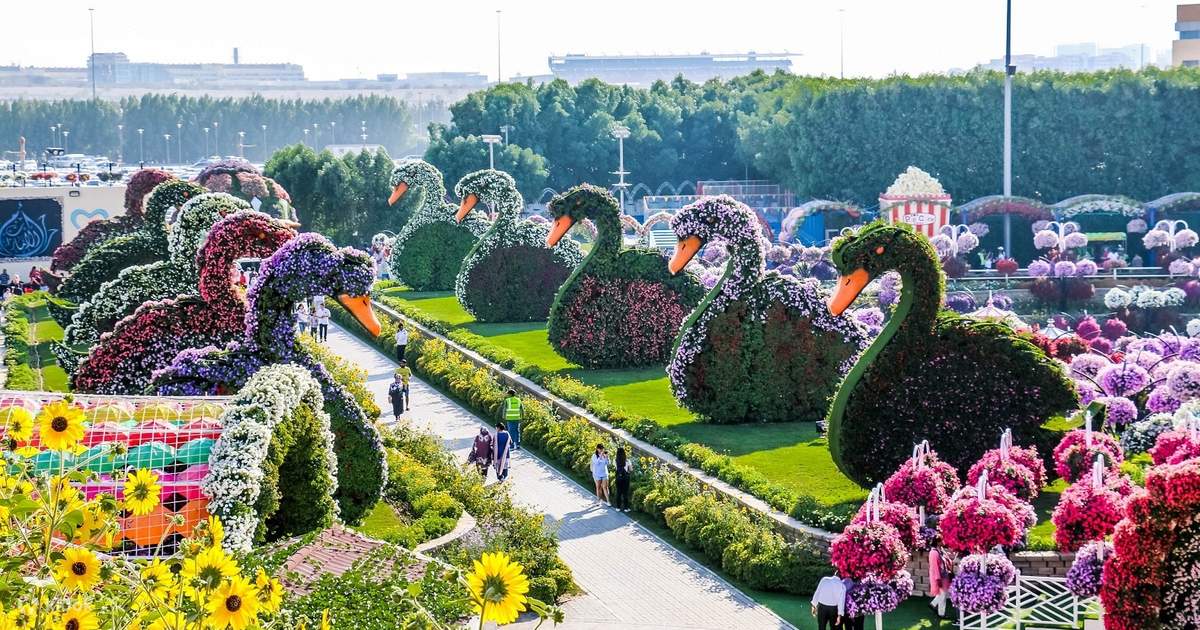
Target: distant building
[
  {"x": 339, "y": 150},
  {"x": 117, "y": 69},
  {"x": 1085, "y": 57},
  {"x": 643, "y": 70},
  {"x": 1185, "y": 51}
]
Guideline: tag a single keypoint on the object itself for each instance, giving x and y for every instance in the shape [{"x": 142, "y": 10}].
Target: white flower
[
  {"x": 1174, "y": 296},
  {"x": 1117, "y": 299},
  {"x": 1151, "y": 299},
  {"x": 1156, "y": 238},
  {"x": 915, "y": 182},
  {"x": 1075, "y": 240},
  {"x": 1186, "y": 238},
  {"x": 1045, "y": 239},
  {"x": 1193, "y": 327}
]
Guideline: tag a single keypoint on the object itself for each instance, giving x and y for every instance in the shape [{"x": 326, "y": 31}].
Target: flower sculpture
[
  {"x": 900, "y": 516},
  {"x": 242, "y": 180},
  {"x": 1021, "y": 473},
  {"x": 1151, "y": 580},
  {"x": 760, "y": 347},
  {"x": 307, "y": 266},
  {"x": 1074, "y": 454},
  {"x": 147, "y": 340},
  {"x": 923, "y": 482},
  {"x": 159, "y": 280},
  {"x": 509, "y": 275},
  {"x": 868, "y": 549},
  {"x": 1087, "y": 571},
  {"x": 972, "y": 524},
  {"x": 1085, "y": 513},
  {"x": 430, "y": 248},
  {"x": 903, "y": 387},
  {"x": 142, "y": 246},
  {"x": 97, "y": 232},
  {"x": 981, "y": 584},
  {"x": 620, "y": 307}
]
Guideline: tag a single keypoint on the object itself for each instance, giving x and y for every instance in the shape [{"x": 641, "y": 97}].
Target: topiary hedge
[
  {"x": 96, "y": 232},
  {"x": 244, "y": 181}
]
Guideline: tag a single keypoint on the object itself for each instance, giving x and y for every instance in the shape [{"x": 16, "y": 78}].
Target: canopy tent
[{"x": 810, "y": 222}]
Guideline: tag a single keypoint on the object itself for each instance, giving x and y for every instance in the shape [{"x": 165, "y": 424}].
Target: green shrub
[
  {"x": 438, "y": 504},
  {"x": 765, "y": 561},
  {"x": 296, "y": 459},
  {"x": 432, "y": 256}
]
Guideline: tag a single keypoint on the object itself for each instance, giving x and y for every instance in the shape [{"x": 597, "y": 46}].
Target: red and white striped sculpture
[{"x": 918, "y": 199}]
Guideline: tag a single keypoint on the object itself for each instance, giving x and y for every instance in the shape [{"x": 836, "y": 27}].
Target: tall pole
[
  {"x": 120, "y": 143},
  {"x": 142, "y": 146},
  {"x": 179, "y": 139},
  {"x": 65, "y": 147},
  {"x": 333, "y": 132},
  {"x": 491, "y": 139},
  {"x": 265, "y": 156},
  {"x": 842, "y": 43},
  {"x": 1008, "y": 76},
  {"x": 206, "y": 153},
  {"x": 499, "y": 74},
  {"x": 167, "y": 145},
  {"x": 241, "y": 144},
  {"x": 620, "y": 132},
  {"x": 92, "y": 20}
]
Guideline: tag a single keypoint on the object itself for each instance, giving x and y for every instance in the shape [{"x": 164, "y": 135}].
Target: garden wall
[{"x": 1040, "y": 563}]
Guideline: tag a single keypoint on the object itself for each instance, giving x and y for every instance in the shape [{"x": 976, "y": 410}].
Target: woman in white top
[
  {"x": 302, "y": 316},
  {"x": 323, "y": 321},
  {"x": 600, "y": 473}
]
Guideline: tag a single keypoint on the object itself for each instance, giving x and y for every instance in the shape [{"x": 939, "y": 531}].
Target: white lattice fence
[{"x": 1035, "y": 602}]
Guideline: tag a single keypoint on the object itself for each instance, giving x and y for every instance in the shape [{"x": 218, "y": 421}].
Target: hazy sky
[{"x": 357, "y": 38}]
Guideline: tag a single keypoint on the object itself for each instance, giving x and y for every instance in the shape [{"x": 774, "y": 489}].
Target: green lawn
[
  {"x": 790, "y": 454},
  {"x": 43, "y": 333},
  {"x": 382, "y": 521}
]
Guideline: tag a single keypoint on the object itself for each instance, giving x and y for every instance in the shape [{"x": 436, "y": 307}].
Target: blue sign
[{"x": 24, "y": 232}]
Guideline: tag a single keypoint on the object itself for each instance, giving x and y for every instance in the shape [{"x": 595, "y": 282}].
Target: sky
[{"x": 361, "y": 38}]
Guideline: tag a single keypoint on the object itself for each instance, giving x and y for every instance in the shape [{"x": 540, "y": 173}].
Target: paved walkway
[{"x": 631, "y": 578}]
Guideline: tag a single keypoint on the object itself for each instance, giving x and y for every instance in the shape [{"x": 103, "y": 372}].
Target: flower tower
[{"x": 916, "y": 198}]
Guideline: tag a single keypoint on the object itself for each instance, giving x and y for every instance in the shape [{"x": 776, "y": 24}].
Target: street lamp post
[
  {"x": 506, "y": 129},
  {"x": 66, "y": 133},
  {"x": 264, "y": 130},
  {"x": 120, "y": 143},
  {"x": 141, "y": 145},
  {"x": 53, "y": 136},
  {"x": 167, "y": 146},
  {"x": 206, "y": 153},
  {"x": 499, "y": 74},
  {"x": 620, "y": 132},
  {"x": 216, "y": 138},
  {"x": 332, "y": 132},
  {"x": 317, "y": 136},
  {"x": 491, "y": 139},
  {"x": 92, "y": 29},
  {"x": 241, "y": 144},
  {"x": 841, "y": 43},
  {"x": 1009, "y": 70},
  {"x": 179, "y": 139},
  {"x": 305, "y": 140}
]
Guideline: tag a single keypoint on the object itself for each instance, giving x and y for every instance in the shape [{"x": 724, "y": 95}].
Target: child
[{"x": 397, "y": 395}]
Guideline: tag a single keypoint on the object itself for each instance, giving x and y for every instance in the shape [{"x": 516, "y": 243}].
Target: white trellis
[{"x": 1035, "y": 602}]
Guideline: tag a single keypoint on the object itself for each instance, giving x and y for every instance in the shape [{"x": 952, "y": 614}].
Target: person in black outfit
[{"x": 624, "y": 468}]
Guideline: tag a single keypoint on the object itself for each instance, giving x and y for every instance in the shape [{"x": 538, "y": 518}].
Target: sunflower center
[
  {"x": 494, "y": 588},
  {"x": 72, "y": 624},
  {"x": 233, "y": 603},
  {"x": 79, "y": 568},
  {"x": 59, "y": 424}
]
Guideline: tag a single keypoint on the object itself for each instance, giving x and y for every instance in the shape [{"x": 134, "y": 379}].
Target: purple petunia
[
  {"x": 1161, "y": 400},
  {"x": 1086, "y": 573},
  {"x": 1039, "y": 269},
  {"x": 1119, "y": 411},
  {"x": 872, "y": 595},
  {"x": 1088, "y": 364},
  {"x": 1122, "y": 379},
  {"x": 981, "y": 583}
]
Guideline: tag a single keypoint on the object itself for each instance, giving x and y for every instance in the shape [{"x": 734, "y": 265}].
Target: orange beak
[
  {"x": 685, "y": 251},
  {"x": 360, "y": 307},
  {"x": 467, "y": 205},
  {"x": 848, "y": 289},
  {"x": 397, "y": 193},
  {"x": 560, "y": 227}
]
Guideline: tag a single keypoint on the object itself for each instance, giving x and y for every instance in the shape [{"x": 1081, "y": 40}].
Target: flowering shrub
[
  {"x": 900, "y": 516},
  {"x": 97, "y": 232},
  {"x": 124, "y": 359},
  {"x": 980, "y": 586},
  {"x": 872, "y": 595},
  {"x": 757, "y": 334},
  {"x": 621, "y": 308},
  {"x": 927, "y": 485},
  {"x": 974, "y": 525},
  {"x": 1012, "y": 473},
  {"x": 1085, "y": 513},
  {"x": 241, "y": 179},
  {"x": 510, "y": 275},
  {"x": 1175, "y": 446},
  {"x": 1086, "y": 572},
  {"x": 1073, "y": 457},
  {"x": 868, "y": 549},
  {"x": 306, "y": 266},
  {"x": 431, "y": 246},
  {"x": 279, "y": 411},
  {"x": 144, "y": 245},
  {"x": 1150, "y": 581}
]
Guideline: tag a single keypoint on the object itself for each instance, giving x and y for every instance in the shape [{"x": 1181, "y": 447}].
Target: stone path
[{"x": 631, "y": 578}]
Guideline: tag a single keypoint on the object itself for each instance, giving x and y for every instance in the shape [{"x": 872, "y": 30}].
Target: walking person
[
  {"x": 323, "y": 316},
  {"x": 397, "y": 394},
  {"x": 939, "y": 579},
  {"x": 404, "y": 373},
  {"x": 501, "y": 452},
  {"x": 829, "y": 603},
  {"x": 624, "y": 472},
  {"x": 481, "y": 452},
  {"x": 512, "y": 417},
  {"x": 314, "y": 320},
  {"x": 401, "y": 342},
  {"x": 600, "y": 474},
  {"x": 302, "y": 316}
]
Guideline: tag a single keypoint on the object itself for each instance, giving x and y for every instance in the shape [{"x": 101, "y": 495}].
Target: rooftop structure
[
  {"x": 643, "y": 70},
  {"x": 1084, "y": 57},
  {"x": 1185, "y": 51}
]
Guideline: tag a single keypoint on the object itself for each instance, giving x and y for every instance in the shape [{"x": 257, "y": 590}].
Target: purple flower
[
  {"x": 1122, "y": 379},
  {"x": 1045, "y": 239},
  {"x": 980, "y": 230},
  {"x": 1088, "y": 364},
  {"x": 870, "y": 317},
  {"x": 981, "y": 583},
  {"x": 1119, "y": 411},
  {"x": 1161, "y": 400},
  {"x": 871, "y": 595},
  {"x": 1039, "y": 269},
  {"x": 824, "y": 271},
  {"x": 1075, "y": 240},
  {"x": 1181, "y": 267},
  {"x": 1087, "y": 392},
  {"x": 1101, "y": 345},
  {"x": 1184, "y": 381},
  {"x": 1064, "y": 269},
  {"x": 1086, "y": 573},
  {"x": 960, "y": 302},
  {"x": 1001, "y": 301},
  {"x": 715, "y": 252},
  {"x": 1086, "y": 267}
]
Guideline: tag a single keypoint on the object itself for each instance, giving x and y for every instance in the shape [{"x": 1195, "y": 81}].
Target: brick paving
[{"x": 631, "y": 578}]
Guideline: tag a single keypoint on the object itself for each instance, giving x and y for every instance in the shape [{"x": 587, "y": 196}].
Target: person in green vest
[{"x": 512, "y": 417}]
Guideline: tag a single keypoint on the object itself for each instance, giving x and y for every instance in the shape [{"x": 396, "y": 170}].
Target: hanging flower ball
[
  {"x": 1007, "y": 266},
  {"x": 1136, "y": 226},
  {"x": 1174, "y": 447},
  {"x": 1161, "y": 400},
  {"x": 942, "y": 244},
  {"x": 1064, "y": 269},
  {"x": 1181, "y": 267},
  {"x": 1113, "y": 328},
  {"x": 1008, "y": 473},
  {"x": 928, "y": 485},
  {"x": 1073, "y": 457},
  {"x": 1085, "y": 513},
  {"x": 1156, "y": 238},
  {"x": 899, "y": 516},
  {"x": 872, "y": 595},
  {"x": 1045, "y": 239},
  {"x": 973, "y": 525},
  {"x": 864, "y": 549},
  {"x": 981, "y": 584},
  {"x": 1101, "y": 345},
  {"x": 1087, "y": 365},
  {"x": 1186, "y": 238},
  {"x": 1075, "y": 240},
  {"x": 1022, "y": 511},
  {"x": 1086, "y": 267},
  {"x": 1087, "y": 328},
  {"x": 1086, "y": 573},
  {"x": 1184, "y": 380},
  {"x": 1118, "y": 411}
]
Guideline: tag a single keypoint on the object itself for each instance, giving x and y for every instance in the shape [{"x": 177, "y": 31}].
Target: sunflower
[
  {"x": 95, "y": 527},
  {"x": 78, "y": 617},
  {"x": 216, "y": 531},
  {"x": 141, "y": 492},
  {"x": 210, "y": 567},
  {"x": 79, "y": 568},
  {"x": 18, "y": 423},
  {"x": 498, "y": 587},
  {"x": 61, "y": 425},
  {"x": 22, "y": 616},
  {"x": 171, "y": 620},
  {"x": 270, "y": 591},
  {"x": 156, "y": 584},
  {"x": 65, "y": 496},
  {"x": 233, "y": 605}
]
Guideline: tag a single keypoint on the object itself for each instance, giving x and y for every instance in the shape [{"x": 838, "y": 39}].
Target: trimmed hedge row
[
  {"x": 414, "y": 485},
  {"x": 16, "y": 352},
  {"x": 741, "y": 541},
  {"x": 805, "y": 508}
]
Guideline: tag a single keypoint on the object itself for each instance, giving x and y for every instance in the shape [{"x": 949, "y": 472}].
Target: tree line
[{"x": 110, "y": 127}]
